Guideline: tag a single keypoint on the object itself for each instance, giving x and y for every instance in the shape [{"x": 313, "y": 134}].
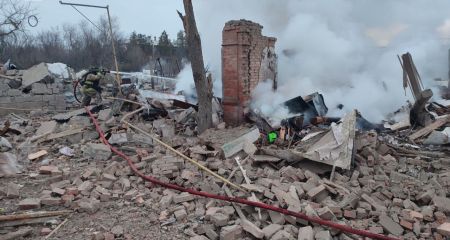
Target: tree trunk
[{"x": 203, "y": 84}]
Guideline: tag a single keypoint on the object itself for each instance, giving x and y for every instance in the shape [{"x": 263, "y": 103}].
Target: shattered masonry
[
  {"x": 38, "y": 88},
  {"x": 390, "y": 179},
  {"x": 247, "y": 58}
]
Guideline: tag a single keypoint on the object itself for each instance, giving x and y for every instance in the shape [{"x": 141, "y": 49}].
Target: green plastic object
[{"x": 272, "y": 136}]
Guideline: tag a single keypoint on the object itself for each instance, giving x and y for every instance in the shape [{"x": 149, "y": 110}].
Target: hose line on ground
[{"x": 343, "y": 228}]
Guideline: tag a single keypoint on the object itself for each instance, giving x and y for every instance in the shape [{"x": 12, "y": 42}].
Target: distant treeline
[{"x": 84, "y": 45}]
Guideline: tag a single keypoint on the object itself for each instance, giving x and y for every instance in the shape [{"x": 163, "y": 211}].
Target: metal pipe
[
  {"x": 114, "y": 50},
  {"x": 81, "y": 5}
]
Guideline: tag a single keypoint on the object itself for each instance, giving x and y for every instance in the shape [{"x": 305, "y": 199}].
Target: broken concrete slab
[
  {"x": 232, "y": 232},
  {"x": 97, "y": 151},
  {"x": 442, "y": 204},
  {"x": 219, "y": 219},
  {"x": 118, "y": 138},
  {"x": 271, "y": 229},
  {"x": 444, "y": 229},
  {"x": 336, "y": 146},
  {"x": 306, "y": 233},
  {"x": 104, "y": 114},
  {"x": 230, "y": 141},
  {"x": 89, "y": 205},
  {"x": 233, "y": 147},
  {"x": 390, "y": 226},
  {"x": 68, "y": 115},
  {"x": 252, "y": 229},
  {"x": 37, "y": 73},
  {"x": 46, "y": 128},
  {"x": 323, "y": 235},
  {"x": 374, "y": 203}
]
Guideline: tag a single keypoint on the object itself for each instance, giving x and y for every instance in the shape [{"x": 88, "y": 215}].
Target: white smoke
[
  {"x": 185, "y": 83},
  {"x": 345, "y": 49}
]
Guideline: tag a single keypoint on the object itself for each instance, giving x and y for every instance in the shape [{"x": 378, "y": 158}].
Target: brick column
[{"x": 247, "y": 58}]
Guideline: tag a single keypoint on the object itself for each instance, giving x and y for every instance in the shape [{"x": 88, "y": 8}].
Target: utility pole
[{"x": 118, "y": 80}]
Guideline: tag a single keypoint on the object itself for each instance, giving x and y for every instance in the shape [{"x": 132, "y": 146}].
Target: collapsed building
[
  {"x": 143, "y": 172},
  {"x": 34, "y": 88}
]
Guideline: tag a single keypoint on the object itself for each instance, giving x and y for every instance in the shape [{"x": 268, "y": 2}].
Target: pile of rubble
[
  {"x": 60, "y": 178},
  {"x": 39, "y": 87},
  {"x": 381, "y": 182}
]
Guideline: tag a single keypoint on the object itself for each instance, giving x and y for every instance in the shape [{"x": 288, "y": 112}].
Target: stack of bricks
[
  {"x": 247, "y": 58},
  {"x": 168, "y": 166},
  {"x": 39, "y": 96}
]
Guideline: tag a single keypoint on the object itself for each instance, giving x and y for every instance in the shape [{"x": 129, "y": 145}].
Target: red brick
[
  {"x": 350, "y": 214},
  {"x": 45, "y": 231},
  {"x": 406, "y": 224}
]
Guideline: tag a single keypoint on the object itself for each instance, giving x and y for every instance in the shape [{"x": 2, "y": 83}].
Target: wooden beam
[{"x": 428, "y": 129}]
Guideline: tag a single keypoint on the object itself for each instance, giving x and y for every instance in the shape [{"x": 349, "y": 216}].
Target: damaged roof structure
[{"x": 144, "y": 172}]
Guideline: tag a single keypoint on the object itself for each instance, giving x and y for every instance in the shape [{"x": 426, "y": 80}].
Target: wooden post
[{"x": 203, "y": 84}]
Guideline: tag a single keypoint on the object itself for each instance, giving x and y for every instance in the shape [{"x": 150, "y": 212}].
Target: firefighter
[{"x": 91, "y": 88}]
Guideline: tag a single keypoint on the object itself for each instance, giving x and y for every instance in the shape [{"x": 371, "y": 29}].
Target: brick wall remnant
[{"x": 248, "y": 57}]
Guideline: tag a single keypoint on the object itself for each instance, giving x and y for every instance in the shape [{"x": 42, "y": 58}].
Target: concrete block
[
  {"x": 390, "y": 226},
  {"x": 97, "y": 151},
  {"x": 180, "y": 215},
  {"x": 183, "y": 197},
  {"x": 318, "y": 193},
  {"x": 29, "y": 203},
  {"x": 233, "y": 232},
  {"x": 41, "y": 89},
  {"x": 305, "y": 233},
  {"x": 219, "y": 219},
  {"x": 46, "y": 128},
  {"x": 37, "y": 73},
  {"x": 14, "y": 92},
  {"x": 442, "y": 204},
  {"x": 271, "y": 229},
  {"x": 252, "y": 229},
  {"x": 444, "y": 229},
  {"x": 323, "y": 235}
]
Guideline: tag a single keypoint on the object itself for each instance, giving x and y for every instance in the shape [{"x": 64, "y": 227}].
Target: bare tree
[
  {"x": 14, "y": 16},
  {"x": 203, "y": 84}
]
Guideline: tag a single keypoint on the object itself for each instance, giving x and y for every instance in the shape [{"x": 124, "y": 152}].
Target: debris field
[{"x": 69, "y": 172}]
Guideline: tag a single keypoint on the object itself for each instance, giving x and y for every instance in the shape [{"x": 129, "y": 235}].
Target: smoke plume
[{"x": 345, "y": 49}]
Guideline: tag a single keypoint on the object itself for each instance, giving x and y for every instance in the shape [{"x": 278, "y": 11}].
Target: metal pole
[
  {"x": 114, "y": 50},
  {"x": 118, "y": 80},
  {"x": 81, "y": 5}
]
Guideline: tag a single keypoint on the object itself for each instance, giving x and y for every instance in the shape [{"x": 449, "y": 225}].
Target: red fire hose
[{"x": 343, "y": 228}]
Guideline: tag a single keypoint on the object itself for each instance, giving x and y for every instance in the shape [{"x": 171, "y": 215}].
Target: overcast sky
[
  {"x": 345, "y": 49},
  {"x": 143, "y": 16}
]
